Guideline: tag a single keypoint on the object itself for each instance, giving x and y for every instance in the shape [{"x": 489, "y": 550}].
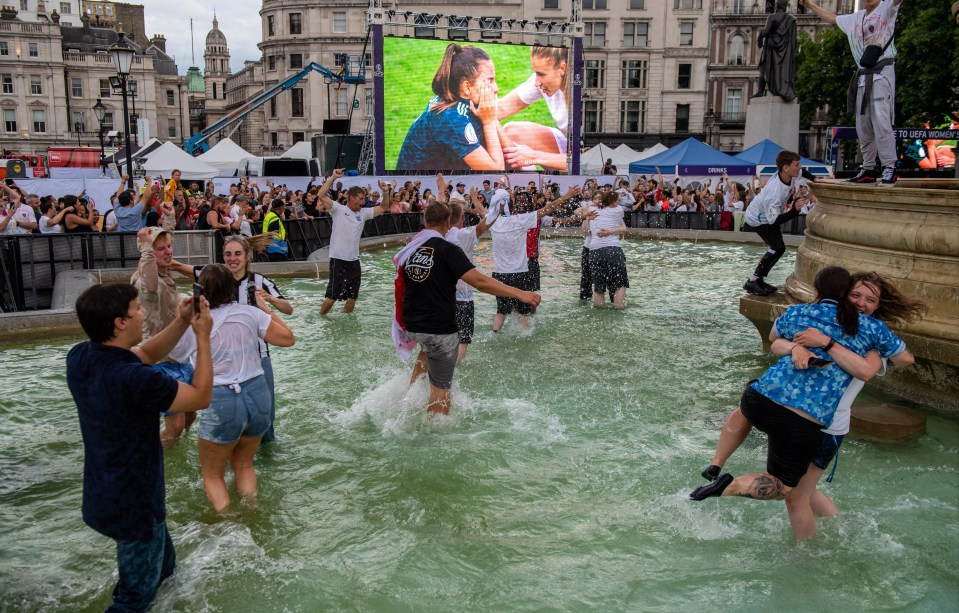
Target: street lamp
[
  {"x": 709, "y": 120},
  {"x": 101, "y": 112},
  {"x": 123, "y": 53}
]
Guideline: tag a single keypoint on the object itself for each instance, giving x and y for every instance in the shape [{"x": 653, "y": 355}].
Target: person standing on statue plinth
[
  {"x": 872, "y": 91},
  {"x": 777, "y": 66}
]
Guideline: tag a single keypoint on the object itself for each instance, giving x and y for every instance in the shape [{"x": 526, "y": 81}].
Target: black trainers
[
  {"x": 889, "y": 177},
  {"x": 716, "y": 488},
  {"x": 772, "y": 289},
  {"x": 711, "y": 472},
  {"x": 865, "y": 175},
  {"x": 754, "y": 287}
]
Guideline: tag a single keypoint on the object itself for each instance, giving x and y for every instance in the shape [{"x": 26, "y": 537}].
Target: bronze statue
[{"x": 777, "y": 66}]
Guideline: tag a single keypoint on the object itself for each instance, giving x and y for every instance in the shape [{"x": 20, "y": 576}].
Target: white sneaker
[{"x": 888, "y": 177}]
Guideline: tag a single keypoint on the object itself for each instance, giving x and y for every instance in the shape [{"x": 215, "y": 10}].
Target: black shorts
[
  {"x": 793, "y": 439},
  {"x": 508, "y": 305},
  {"x": 532, "y": 275},
  {"x": 607, "y": 267},
  {"x": 465, "y": 321},
  {"x": 345, "y": 280}
]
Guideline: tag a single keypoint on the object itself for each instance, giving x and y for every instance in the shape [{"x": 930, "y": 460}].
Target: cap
[{"x": 155, "y": 232}]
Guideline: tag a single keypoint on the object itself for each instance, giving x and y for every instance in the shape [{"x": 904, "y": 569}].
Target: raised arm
[
  {"x": 441, "y": 185},
  {"x": 324, "y": 202},
  {"x": 572, "y": 192},
  {"x": 826, "y": 15}
]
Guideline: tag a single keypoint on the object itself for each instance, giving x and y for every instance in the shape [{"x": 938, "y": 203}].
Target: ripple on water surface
[{"x": 558, "y": 482}]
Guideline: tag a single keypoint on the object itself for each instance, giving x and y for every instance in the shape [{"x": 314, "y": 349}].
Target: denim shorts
[
  {"x": 242, "y": 409},
  {"x": 182, "y": 372}
]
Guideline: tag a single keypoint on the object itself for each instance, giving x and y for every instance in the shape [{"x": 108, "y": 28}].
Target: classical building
[
  {"x": 127, "y": 18},
  {"x": 216, "y": 59},
  {"x": 734, "y": 56},
  {"x": 69, "y": 11}
]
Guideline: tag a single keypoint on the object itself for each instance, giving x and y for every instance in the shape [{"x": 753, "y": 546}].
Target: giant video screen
[{"x": 461, "y": 106}]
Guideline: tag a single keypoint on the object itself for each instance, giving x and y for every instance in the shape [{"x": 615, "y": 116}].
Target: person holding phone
[{"x": 792, "y": 404}]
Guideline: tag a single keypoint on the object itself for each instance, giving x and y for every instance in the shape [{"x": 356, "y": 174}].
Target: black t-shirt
[
  {"x": 430, "y": 276},
  {"x": 119, "y": 399}
]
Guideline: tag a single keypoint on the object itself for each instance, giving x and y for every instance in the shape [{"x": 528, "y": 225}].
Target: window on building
[
  {"x": 296, "y": 98},
  {"x": 273, "y": 107},
  {"x": 171, "y": 98},
  {"x": 36, "y": 85},
  {"x": 34, "y": 49},
  {"x": 594, "y": 33},
  {"x": 739, "y": 7},
  {"x": 65, "y": 8},
  {"x": 550, "y": 4},
  {"x": 595, "y": 73},
  {"x": 105, "y": 89},
  {"x": 39, "y": 121},
  {"x": 682, "y": 118},
  {"x": 296, "y": 23},
  {"x": 107, "y": 124},
  {"x": 296, "y": 60},
  {"x": 456, "y": 28},
  {"x": 274, "y": 139},
  {"x": 687, "y": 5},
  {"x": 637, "y": 4},
  {"x": 685, "y": 76},
  {"x": 299, "y": 137},
  {"x": 634, "y": 74},
  {"x": 4, "y": 48},
  {"x": 7, "y": 81},
  {"x": 686, "y": 33},
  {"x": 342, "y": 103},
  {"x": 737, "y": 50},
  {"x": 108, "y": 9},
  {"x": 594, "y": 4},
  {"x": 9, "y": 120},
  {"x": 339, "y": 22},
  {"x": 24, "y": 5},
  {"x": 171, "y": 127},
  {"x": 76, "y": 87},
  {"x": 491, "y": 27},
  {"x": 632, "y": 116},
  {"x": 271, "y": 62},
  {"x": 79, "y": 123},
  {"x": 734, "y": 103},
  {"x": 635, "y": 33},
  {"x": 425, "y": 26},
  {"x": 270, "y": 25},
  {"x": 593, "y": 116}
]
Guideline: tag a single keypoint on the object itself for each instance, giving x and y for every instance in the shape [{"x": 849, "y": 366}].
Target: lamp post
[
  {"x": 122, "y": 53},
  {"x": 101, "y": 112},
  {"x": 709, "y": 120}
]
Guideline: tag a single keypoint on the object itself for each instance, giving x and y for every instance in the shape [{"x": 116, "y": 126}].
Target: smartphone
[
  {"x": 818, "y": 362},
  {"x": 8, "y": 181},
  {"x": 197, "y": 292},
  {"x": 250, "y": 294}
]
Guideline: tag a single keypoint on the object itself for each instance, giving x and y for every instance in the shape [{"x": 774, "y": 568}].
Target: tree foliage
[{"x": 927, "y": 68}]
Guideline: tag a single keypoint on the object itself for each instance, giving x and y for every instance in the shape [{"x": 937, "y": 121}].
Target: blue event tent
[
  {"x": 763, "y": 155},
  {"x": 693, "y": 160}
]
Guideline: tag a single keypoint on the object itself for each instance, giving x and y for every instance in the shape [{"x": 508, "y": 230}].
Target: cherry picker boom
[{"x": 343, "y": 75}]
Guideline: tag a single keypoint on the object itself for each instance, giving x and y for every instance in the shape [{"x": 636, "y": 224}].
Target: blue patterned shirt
[{"x": 817, "y": 391}]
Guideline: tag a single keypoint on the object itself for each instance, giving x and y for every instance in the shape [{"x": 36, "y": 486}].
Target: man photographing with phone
[{"x": 872, "y": 91}]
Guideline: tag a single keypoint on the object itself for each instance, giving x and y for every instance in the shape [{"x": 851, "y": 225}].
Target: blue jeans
[
  {"x": 270, "y": 435},
  {"x": 182, "y": 372},
  {"x": 143, "y": 566}
]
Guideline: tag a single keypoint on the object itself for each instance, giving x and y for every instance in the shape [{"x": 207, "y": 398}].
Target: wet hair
[
  {"x": 437, "y": 214},
  {"x": 238, "y": 238},
  {"x": 456, "y": 212},
  {"x": 834, "y": 283},
  {"x": 219, "y": 287},
  {"x": 460, "y": 63},
  {"x": 610, "y": 198},
  {"x": 785, "y": 158},
  {"x": 99, "y": 306},
  {"x": 894, "y": 306}
]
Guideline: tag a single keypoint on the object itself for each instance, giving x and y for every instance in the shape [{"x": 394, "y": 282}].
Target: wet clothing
[{"x": 430, "y": 276}]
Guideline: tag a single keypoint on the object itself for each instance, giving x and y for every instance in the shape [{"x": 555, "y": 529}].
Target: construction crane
[{"x": 353, "y": 72}]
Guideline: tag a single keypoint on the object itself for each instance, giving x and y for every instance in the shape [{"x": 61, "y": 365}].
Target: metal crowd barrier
[{"x": 700, "y": 221}]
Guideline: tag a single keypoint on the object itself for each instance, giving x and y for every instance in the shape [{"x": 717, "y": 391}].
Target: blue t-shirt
[
  {"x": 440, "y": 141},
  {"x": 119, "y": 399},
  {"x": 817, "y": 391},
  {"x": 129, "y": 218}
]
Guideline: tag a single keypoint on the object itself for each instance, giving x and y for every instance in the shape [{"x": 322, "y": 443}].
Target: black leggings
[{"x": 772, "y": 235}]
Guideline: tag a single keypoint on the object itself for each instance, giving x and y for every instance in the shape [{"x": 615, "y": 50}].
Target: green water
[{"x": 559, "y": 483}]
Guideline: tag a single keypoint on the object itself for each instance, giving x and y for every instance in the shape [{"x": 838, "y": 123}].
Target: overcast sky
[{"x": 239, "y": 21}]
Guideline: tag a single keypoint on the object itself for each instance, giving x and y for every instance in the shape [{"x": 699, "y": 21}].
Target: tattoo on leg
[{"x": 765, "y": 487}]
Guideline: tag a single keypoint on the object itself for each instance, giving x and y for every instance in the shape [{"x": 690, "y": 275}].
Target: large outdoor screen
[{"x": 450, "y": 106}]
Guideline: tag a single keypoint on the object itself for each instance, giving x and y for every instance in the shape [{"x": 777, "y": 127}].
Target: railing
[{"x": 700, "y": 221}]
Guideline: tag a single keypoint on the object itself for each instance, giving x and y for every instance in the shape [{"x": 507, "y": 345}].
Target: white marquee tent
[
  {"x": 226, "y": 156},
  {"x": 303, "y": 150},
  {"x": 168, "y": 157}
]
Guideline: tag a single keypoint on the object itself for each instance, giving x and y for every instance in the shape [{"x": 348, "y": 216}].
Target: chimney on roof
[
  {"x": 159, "y": 41},
  {"x": 8, "y": 13}
]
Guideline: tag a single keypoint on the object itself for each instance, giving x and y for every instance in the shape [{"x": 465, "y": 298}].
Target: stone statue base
[{"x": 770, "y": 117}]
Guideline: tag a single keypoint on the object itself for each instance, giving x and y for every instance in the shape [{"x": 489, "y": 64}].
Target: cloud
[{"x": 239, "y": 21}]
